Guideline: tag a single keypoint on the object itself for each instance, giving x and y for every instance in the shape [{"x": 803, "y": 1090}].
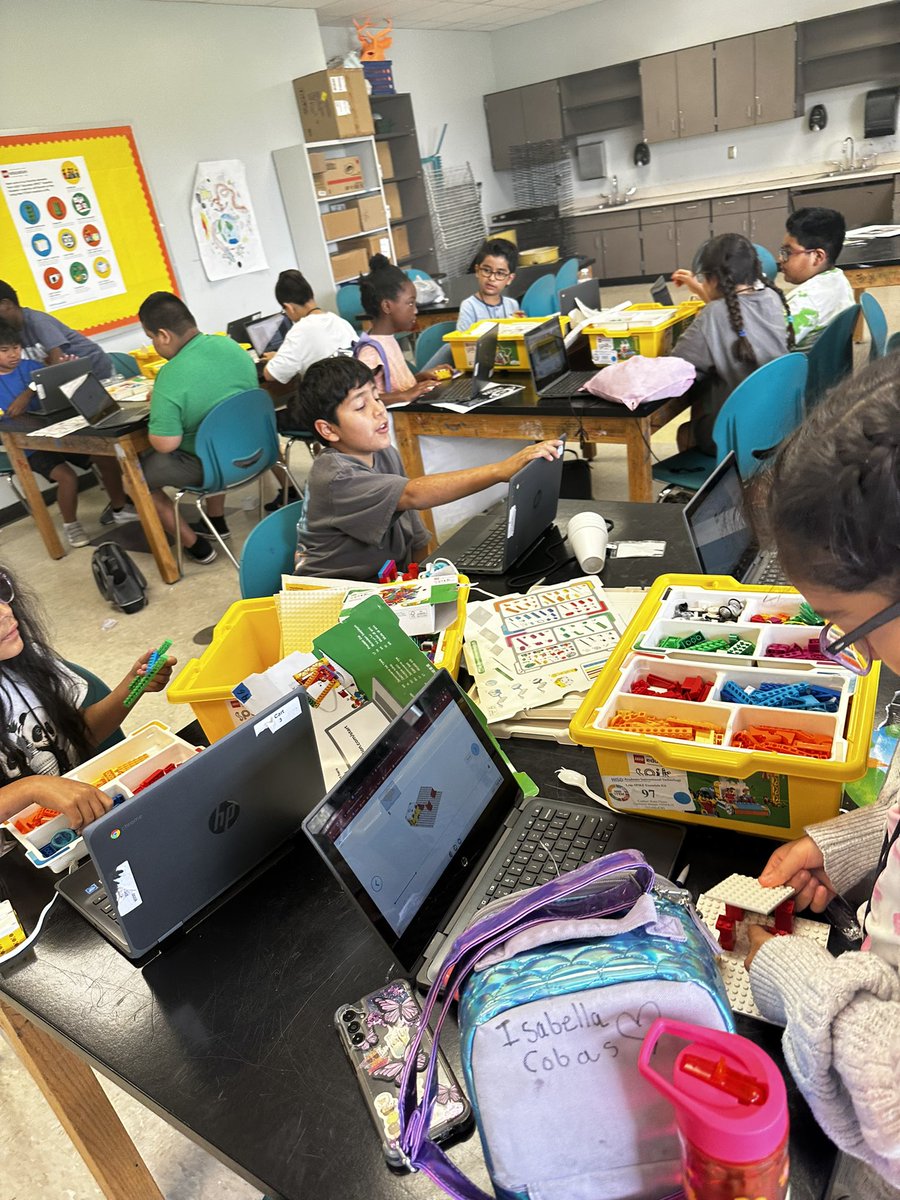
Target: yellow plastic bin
[
  {"x": 148, "y": 361},
  {"x": 248, "y": 640},
  {"x": 511, "y": 353},
  {"x": 761, "y": 792},
  {"x": 648, "y": 329}
]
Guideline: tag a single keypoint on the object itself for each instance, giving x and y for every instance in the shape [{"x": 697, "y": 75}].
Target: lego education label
[{"x": 649, "y": 786}]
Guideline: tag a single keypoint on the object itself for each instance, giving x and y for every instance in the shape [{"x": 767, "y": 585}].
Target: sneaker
[
  {"x": 202, "y": 551},
  {"x": 274, "y": 505},
  {"x": 219, "y": 524},
  {"x": 124, "y": 514},
  {"x": 75, "y": 535},
  {"x": 107, "y": 516}
]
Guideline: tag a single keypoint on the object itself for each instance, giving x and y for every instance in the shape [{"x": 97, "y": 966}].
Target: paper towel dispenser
[{"x": 881, "y": 112}]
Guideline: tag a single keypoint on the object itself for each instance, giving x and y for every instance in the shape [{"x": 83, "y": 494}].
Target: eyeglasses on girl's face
[
  {"x": 490, "y": 273},
  {"x": 7, "y": 591},
  {"x": 852, "y": 650}
]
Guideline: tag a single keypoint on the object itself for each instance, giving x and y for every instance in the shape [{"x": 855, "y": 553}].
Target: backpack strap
[
  {"x": 365, "y": 340},
  {"x": 608, "y": 885}
]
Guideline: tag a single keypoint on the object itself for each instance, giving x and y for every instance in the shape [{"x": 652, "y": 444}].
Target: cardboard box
[
  {"x": 349, "y": 263},
  {"x": 385, "y": 160},
  {"x": 379, "y": 243},
  {"x": 317, "y": 159},
  {"x": 319, "y": 185},
  {"x": 341, "y": 223},
  {"x": 343, "y": 175},
  {"x": 392, "y": 196},
  {"x": 401, "y": 241},
  {"x": 371, "y": 213},
  {"x": 334, "y": 104}
]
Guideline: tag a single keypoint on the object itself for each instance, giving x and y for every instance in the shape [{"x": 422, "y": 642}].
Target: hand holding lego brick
[
  {"x": 800, "y": 865},
  {"x": 79, "y": 803}
]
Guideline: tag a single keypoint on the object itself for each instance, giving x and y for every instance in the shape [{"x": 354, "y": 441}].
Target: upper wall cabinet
[
  {"x": 756, "y": 78},
  {"x": 606, "y": 98},
  {"x": 521, "y": 115},
  {"x": 678, "y": 94},
  {"x": 859, "y": 46}
]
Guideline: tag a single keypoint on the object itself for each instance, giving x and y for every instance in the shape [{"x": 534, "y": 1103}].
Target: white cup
[{"x": 588, "y": 538}]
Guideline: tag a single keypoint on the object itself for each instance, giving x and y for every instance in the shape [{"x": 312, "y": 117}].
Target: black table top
[
  {"x": 34, "y": 423},
  {"x": 876, "y": 252}
]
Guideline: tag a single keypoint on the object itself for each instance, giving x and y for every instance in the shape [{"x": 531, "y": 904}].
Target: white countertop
[{"x": 737, "y": 185}]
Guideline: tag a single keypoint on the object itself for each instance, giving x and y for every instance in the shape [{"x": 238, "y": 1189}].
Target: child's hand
[
  {"x": 800, "y": 864},
  {"x": 162, "y": 676},
  {"x": 684, "y": 278},
  {"x": 548, "y": 450},
  {"x": 757, "y": 936},
  {"x": 520, "y": 312},
  {"x": 434, "y": 373},
  {"x": 79, "y": 803},
  {"x": 19, "y": 405},
  {"x": 421, "y": 389}
]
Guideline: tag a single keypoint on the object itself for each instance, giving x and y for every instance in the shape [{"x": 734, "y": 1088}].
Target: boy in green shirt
[
  {"x": 200, "y": 372},
  {"x": 813, "y": 241}
]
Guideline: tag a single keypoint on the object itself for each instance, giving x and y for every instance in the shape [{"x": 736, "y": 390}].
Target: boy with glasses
[
  {"x": 815, "y": 238},
  {"x": 495, "y": 268}
]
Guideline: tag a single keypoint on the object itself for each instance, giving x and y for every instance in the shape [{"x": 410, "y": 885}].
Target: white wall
[
  {"x": 196, "y": 81},
  {"x": 447, "y": 72}
]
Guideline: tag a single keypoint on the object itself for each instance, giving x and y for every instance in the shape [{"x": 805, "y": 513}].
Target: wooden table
[
  {"x": 19, "y": 434},
  {"x": 526, "y": 416},
  {"x": 873, "y": 264}
]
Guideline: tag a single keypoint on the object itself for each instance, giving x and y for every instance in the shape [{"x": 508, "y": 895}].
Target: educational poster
[
  {"x": 78, "y": 227},
  {"x": 224, "y": 223},
  {"x": 55, "y": 208}
]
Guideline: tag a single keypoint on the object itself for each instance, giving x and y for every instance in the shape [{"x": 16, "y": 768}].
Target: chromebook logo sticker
[{"x": 114, "y": 834}]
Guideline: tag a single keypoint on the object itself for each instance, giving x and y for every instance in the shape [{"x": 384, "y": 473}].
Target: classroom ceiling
[{"x": 484, "y": 16}]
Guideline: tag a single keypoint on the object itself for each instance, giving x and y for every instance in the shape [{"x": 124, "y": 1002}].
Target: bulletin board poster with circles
[{"x": 80, "y": 236}]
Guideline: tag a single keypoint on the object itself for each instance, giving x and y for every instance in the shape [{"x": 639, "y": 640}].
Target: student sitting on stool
[{"x": 814, "y": 240}]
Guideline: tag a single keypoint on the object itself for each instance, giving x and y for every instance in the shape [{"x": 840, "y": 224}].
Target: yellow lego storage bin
[
  {"x": 538, "y": 255},
  {"x": 148, "y": 361},
  {"x": 511, "y": 352},
  {"x": 648, "y": 329},
  {"x": 704, "y": 777},
  {"x": 246, "y": 641}
]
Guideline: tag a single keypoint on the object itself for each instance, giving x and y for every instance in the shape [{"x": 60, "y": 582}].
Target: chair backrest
[
  {"x": 430, "y": 341},
  {"x": 124, "y": 364},
  {"x": 567, "y": 275},
  {"x": 414, "y": 273},
  {"x": 877, "y": 323},
  {"x": 761, "y": 412},
  {"x": 349, "y": 302},
  {"x": 96, "y": 690},
  {"x": 766, "y": 261},
  {"x": 893, "y": 344},
  {"x": 540, "y": 299},
  {"x": 268, "y": 552},
  {"x": 831, "y": 355},
  {"x": 237, "y": 440}
]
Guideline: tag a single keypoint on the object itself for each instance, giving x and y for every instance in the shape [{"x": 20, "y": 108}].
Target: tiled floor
[{"x": 37, "y": 1162}]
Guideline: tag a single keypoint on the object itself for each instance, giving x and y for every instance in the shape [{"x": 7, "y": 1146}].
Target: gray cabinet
[
  {"x": 860, "y": 203},
  {"x": 735, "y": 83},
  {"x": 858, "y": 46},
  {"x": 659, "y": 98},
  {"x": 613, "y": 240},
  {"x": 605, "y": 98},
  {"x": 692, "y": 227},
  {"x": 768, "y": 214},
  {"x": 731, "y": 214},
  {"x": 756, "y": 78},
  {"x": 622, "y": 253},
  {"x": 658, "y": 246},
  {"x": 678, "y": 94},
  {"x": 896, "y": 220},
  {"x": 521, "y": 115}
]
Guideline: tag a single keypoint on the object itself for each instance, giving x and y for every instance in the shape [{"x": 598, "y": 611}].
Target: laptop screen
[
  {"x": 546, "y": 352},
  {"x": 485, "y": 353},
  {"x": 92, "y": 400},
  {"x": 588, "y": 292},
  {"x": 716, "y": 520},
  {"x": 265, "y": 335},
  {"x": 405, "y": 828}
]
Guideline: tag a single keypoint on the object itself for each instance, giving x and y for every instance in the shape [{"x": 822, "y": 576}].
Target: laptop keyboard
[
  {"x": 554, "y": 840},
  {"x": 568, "y": 384},
  {"x": 95, "y": 894},
  {"x": 772, "y": 572},
  {"x": 488, "y": 554},
  {"x": 459, "y": 389}
]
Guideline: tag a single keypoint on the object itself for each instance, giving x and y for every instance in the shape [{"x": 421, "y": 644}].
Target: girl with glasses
[
  {"x": 495, "y": 269},
  {"x": 834, "y": 507},
  {"x": 44, "y": 730}
]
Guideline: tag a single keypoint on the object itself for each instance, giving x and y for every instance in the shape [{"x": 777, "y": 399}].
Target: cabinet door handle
[
  {"x": 750, "y": 112},
  {"x": 758, "y": 107},
  {"x": 681, "y": 120},
  {"x": 671, "y": 233},
  {"x": 729, "y": 201},
  {"x": 673, "y": 125},
  {"x": 744, "y": 225}
]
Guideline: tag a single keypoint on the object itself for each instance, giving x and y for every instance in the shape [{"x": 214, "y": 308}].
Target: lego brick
[{"x": 743, "y": 891}]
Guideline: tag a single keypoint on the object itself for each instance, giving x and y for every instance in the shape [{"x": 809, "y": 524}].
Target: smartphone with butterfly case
[{"x": 377, "y": 1033}]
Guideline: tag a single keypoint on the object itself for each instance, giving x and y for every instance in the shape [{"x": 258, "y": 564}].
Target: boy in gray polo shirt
[
  {"x": 360, "y": 509},
  {"x": 46, "y": 339}
]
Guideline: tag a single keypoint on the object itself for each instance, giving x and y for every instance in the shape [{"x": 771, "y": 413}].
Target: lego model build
[
  {"x": 423, "y": 811},
  {"x": 736, "y": 903}
]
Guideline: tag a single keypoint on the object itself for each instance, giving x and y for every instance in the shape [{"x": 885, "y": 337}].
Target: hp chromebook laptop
[{"x": 549, "y": 365}]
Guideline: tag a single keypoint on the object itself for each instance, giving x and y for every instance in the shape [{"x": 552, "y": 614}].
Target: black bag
[{"x": 119, "y": 578}]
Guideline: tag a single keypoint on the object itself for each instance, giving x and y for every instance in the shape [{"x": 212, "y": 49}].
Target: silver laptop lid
[
  {"x": 93, "y": 401},
  {"x": 546, "y": 353},
  {"x": 717, "y": 523}
]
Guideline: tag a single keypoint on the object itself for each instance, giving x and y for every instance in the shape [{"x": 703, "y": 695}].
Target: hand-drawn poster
[{"x": 224, "y": 223}]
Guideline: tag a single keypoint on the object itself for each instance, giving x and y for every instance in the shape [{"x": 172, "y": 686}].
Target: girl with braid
[
  {"x": 834, "y": 508},
  {"x": 744, "y": 324}
]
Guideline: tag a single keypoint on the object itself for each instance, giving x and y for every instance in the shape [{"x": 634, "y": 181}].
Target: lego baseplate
[
  {"x": 731, "y": 962},
  {"x": 743, "y": 891}
]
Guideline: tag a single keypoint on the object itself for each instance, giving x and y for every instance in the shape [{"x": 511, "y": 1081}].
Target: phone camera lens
[
  {"x": 349, "y": 1016},
  {"x": 354, "y": 1027},
  {"x": 357, "y": 1038}
]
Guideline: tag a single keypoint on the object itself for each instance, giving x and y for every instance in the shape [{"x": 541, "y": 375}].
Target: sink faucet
[{"x": 851, "y": 159}]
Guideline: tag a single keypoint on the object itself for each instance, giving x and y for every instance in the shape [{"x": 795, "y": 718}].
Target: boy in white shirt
[
  {"x": 314, "y": 334},
  {"x": 814, "y": 240},
  {"x": 495, "y": 266}
]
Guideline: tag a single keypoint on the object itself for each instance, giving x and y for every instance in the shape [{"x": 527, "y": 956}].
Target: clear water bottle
[
  {"x": 731, "y": 1109},
  {"x": 865, "y": 791}
]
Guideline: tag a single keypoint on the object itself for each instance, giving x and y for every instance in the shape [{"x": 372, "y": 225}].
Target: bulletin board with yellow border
[{"x": 77, "y": 218}]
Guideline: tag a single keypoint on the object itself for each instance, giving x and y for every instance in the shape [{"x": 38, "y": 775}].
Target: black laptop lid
[
  {"x": 485, "y": 356},
  {"x": 588, "y": 292},
  {"x": 199, "y": 830},
  {"x": 532, "y": 503},
  {"x": 93, "y": 401},
  {"x": 546, "y": 353},
  {"x": 266, "y": 334},
  {"x": 717, "y": 522},
  {"x": 659, "y": 290},
  {"x": 238, "y": 329},
  {"x": 50, "y": 398},
  {"x": 406, "y": 828}
]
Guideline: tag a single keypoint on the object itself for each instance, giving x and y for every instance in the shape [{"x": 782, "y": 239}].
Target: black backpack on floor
[{"x": 119, "y": 578}]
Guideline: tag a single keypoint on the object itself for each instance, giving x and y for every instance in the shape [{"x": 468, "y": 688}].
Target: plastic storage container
[
  {"x": 759, "y": 791},
  {"x": 248, "y": 640},
  {"x": 511, "y": 352},
  {"x": 648, "y": 329}
]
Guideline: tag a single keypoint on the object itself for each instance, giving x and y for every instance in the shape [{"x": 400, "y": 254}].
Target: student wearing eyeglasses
[
  {"x": 813, "y": 242},
  {"x": 495, "y": 269},
  {"x": 834, "y": 507}
]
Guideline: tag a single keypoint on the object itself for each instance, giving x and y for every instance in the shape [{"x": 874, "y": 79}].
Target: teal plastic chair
[
  {"x": 237, "y": 442},
  {"x": 430, "y": 340},
  {"x": 349, "y": 302},
  {"x": 96, "y": 690},
  {"x": 831, "y": 355},
  {"x": 893, "y": 344},
  {"x": 540, "y": 299},
  {"x": 125, "y": 364},
  {"x": 757, "y": 416},
  {"x": 766, "y": 261},
  {"x": 269, "y": 553},
  {"x": 567, "y": 275},
  {"x": 414, "y": 273},
  {"x": 877, "y": 323}
]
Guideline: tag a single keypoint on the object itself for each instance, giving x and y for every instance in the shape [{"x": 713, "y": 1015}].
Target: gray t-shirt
[
  {"x": 708, "y": 342},
  {"x": 42, "y": 333},
  {"x": 351, "y": 526}
]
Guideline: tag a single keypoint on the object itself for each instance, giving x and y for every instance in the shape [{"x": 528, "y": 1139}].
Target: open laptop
[
  {"x": 164, "y": 855},
  {"x": 430, "y": 825},
  {"x": 237, "y": 330},
  {"x": 99, "y": 408},
  {"x": 266, "y": 334},
  {"x": 659, "y": 292},
  {"x": 50, "y": 399},
  {"x": 721, "y": 534},
  {"x": 588, "y": 292},
  {"x": 497, "y": 543},
  {"x": 476, "y": 386},
  {"x": 549, "y": 365}
]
